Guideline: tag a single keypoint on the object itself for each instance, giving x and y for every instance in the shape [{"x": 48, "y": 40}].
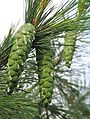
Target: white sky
[{"x": 11, "y": 12}]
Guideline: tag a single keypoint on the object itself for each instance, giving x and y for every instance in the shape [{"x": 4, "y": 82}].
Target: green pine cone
[
  {"x": 14, "y": 56},
  {"x": 20, "y": 62},
  {"x": 19, "y": 52},
  {"x": 45, "y": 71},
  {"x": 20, "y": 43},
  {"x": 49, "y": 79},
  {"x": 43, "y": 74},
  {"x": 15, "y": 67},
  {"x": 14, "y": 48},
  {"x": 47, "y": 84},
  {"x": 69, "y": 47},
  {"x": 13, "y": 73},
  {"x": 11, "y": 62}
]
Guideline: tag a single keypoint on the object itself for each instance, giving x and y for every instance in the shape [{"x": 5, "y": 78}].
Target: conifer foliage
[{"x": 32, "y": 61}]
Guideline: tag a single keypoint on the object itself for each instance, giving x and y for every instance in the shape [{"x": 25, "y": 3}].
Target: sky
[{"x": 11, "y": 12}]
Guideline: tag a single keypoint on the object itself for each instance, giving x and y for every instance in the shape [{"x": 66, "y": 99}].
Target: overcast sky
[{"x": 11, "y": 12}]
